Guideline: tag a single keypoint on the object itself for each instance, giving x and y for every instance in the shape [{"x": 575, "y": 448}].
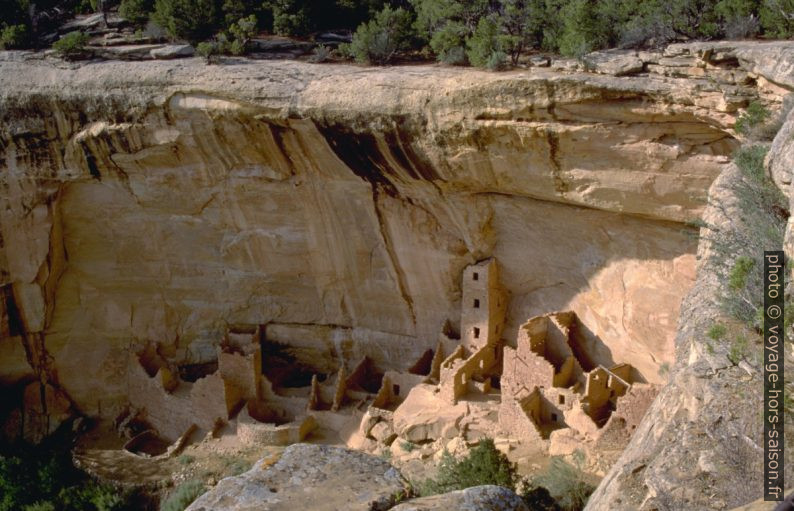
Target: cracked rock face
[
  {"x": 164, "y": 202},
  {"x": 316, "y": 477}
]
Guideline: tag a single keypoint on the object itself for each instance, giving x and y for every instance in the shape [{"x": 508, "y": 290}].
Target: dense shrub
[
  {"x": 484, "y": 42},
  {"x": 578, "y": 37},
  {"x": 485, "y": 464},
  {"x": 565, "y": 482},
  {"x": 183, "y": 495},
  {"x": 192, "y": 20},
  {"x": 40, "y": 506},
  {"x": 497, "y": 61},
  {"x": 522, "y": 24},
  {"x": 234, "y": 41},
  {"x": 738, "y": 18},
  {"x": 777, "y": 18},
  {"x": 741, "y": 27},
  {"x": 320, "y": 54},
  {"x": 301, "y": 17},
  {"x": 234, "y": 10},
  {"x": 35, "y": 480},
  {"x": 378, "y": 41},
  {"x": 209, "y": 50},
  {"x": 241, "y": 33},
  {"x": 449, "y": 43},
  {"x": 14, "y": 37},
  {"x": 13, "y": 12},
  {"x": 755, "y": 115},
  {"x": 290, "y": 17},
  {"x": 447, "y": 24},
  {"x": 136, "y": 11},
  {"x": 72, "y": 46},
  {"x": 450, "y": 29}
]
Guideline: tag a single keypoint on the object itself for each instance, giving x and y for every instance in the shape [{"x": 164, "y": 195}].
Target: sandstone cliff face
[
  {"x": 700, "y": 444},
  {"x": 165, "y": 202}
]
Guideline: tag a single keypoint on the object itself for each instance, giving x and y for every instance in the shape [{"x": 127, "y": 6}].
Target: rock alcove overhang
[{"x": 342, "y": 212}]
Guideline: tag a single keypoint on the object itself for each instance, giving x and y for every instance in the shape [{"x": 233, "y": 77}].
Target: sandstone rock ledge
[
  {"x": 310, "y": 477},
  {"x": 322, "y": 478},
  {"x": 478, "y": 498}
]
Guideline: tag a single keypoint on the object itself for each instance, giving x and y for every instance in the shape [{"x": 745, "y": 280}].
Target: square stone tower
[{"x": 483, "y": 306}]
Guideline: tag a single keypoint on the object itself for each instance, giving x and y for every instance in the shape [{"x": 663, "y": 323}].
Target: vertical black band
[{"x": 774, "y": 273}]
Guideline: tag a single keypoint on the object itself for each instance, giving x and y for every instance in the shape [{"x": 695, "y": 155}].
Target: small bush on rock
[
  {"x": 408, "y": 446},
  {"x": 183, "y": 495},
  {"x": 755, "y": 116},
  {"x": 290, "y": 17},
  {"x": 72, "y": 46},
  {"x": 566, "y": 483},
  {"x": 497, "y": 61},
  {"x": 210, "y": 50},
  {"x": 379, "y": 40},
  {"x": 136, "y": 11},
  {"x": 455, "y": 56},
  {"x": 717, "y": 331},
  {"x": 322, "y": 53},
  {"x": 14, "y": 37},
  {"x": 192, "y": 20},
  {"x": 242, "y": 32},
  {"x": 485, "y": 464},
  {"x": 774, "y": 123}
]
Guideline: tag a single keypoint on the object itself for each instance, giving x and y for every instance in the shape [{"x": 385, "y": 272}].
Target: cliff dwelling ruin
[{"x": 546, "y": 387}]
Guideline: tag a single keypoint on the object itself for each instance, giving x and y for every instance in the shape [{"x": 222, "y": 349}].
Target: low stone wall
[{"x": 251, "y": 431}]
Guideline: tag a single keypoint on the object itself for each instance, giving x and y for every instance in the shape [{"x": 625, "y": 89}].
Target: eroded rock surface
[
  {"x": 477, "y": 498},
  {"x": 315, "y": 477}
]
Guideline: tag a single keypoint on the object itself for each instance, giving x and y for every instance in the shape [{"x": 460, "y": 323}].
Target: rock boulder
[
  {"x": 478, "y": 498},
  {"x": 316, "y": 477}
]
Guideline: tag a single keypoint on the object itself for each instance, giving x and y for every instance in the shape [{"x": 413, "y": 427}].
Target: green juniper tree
[
  {"x": 192, "y": 20},
  {"x": 379, "y": 40}
]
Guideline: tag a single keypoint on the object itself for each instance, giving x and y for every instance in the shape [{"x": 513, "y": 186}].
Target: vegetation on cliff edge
[
  {"x": 44, "y": 479},
  {"x": 562, "y": 487},
  {"x": 485, "y": 33}
]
